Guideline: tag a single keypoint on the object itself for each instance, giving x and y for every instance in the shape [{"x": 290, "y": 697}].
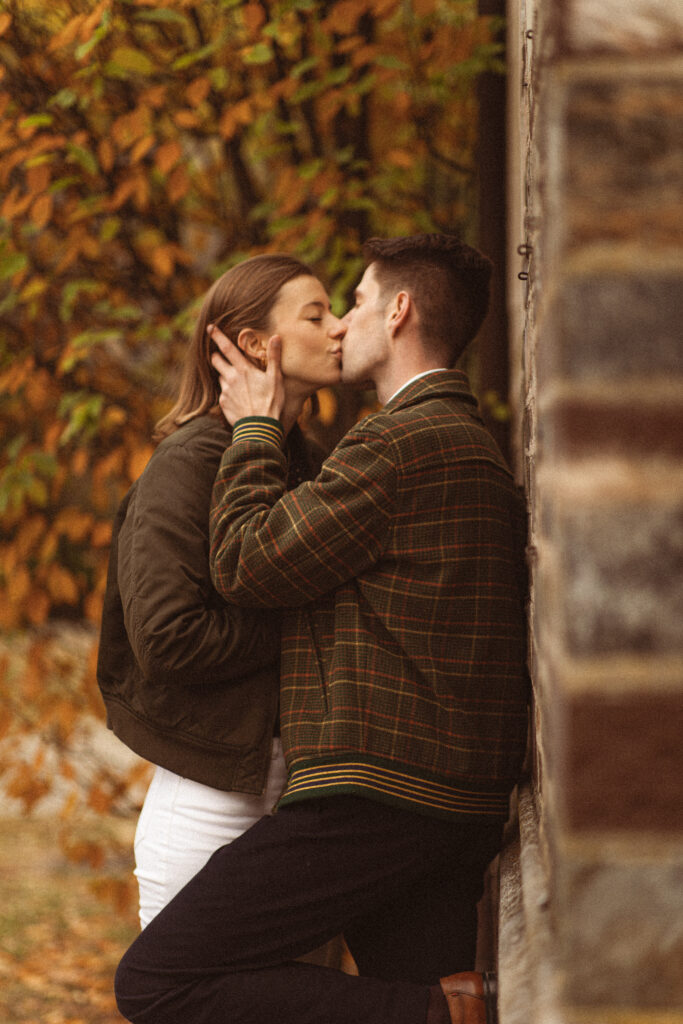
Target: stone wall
[{"x": 592, "y": 880}]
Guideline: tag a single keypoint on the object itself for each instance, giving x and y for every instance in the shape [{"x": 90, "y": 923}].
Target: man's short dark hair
[{"x": 448, "y": 280}]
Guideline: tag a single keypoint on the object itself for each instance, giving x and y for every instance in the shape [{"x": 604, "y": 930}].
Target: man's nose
[{"x": 338, "y": 329}]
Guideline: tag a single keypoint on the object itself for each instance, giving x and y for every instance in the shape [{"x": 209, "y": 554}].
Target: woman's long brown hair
[{"x": 242, "y": 297}]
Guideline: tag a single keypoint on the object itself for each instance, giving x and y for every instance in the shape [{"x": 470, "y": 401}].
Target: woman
[{"x": 190, "y": 683}]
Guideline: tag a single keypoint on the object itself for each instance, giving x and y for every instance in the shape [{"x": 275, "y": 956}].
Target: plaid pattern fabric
[{"x": 402, "y": 568}]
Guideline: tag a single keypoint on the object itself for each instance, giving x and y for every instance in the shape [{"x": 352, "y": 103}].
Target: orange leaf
[
  {"x": 186, "y": 119},
  {"x": 67, "y": 34},
  {"x": 106, "y": 154},
  {"x": 31, "y": 531},
  {"x": 41, "y": 211},
  {"x": 240, "y": 113},
  {"x": 38, "y": 177},
  {"x": 37, "y": 392},
  {"x": 156, "y": 96},
  {"x": 48, "y": 548},
  {"x": 167, "y": 156},
  {"x": 161, "y": 259},
  {"x": 123, "y": 193},
  {"x": 61, "y": 585},
  {"x": 254, "y": 17},
  {"x": 38, "y": 607},
  {"x": 137, "y": 460},
  {"x": 344, "y": 16},
  {"x": 402, "y": 158},
  {"x": 15, "y": 205},
  {"x": 92, "y": 606},
  {"x": 93, "y": 20},
  {"x": 198, "y": 90},
  {"x": 28, "y": 788},
  {"x": 19, "y": 584},
  {"x": 141, "y": 148},
  {"x": 74, "y": 524},
  {"x": 5, "y": 22},
  {"x": 128, "y": 128},
  {"x": 79, "y": 462},
  {"x": 99, "y": 800},
  {"x": 179, "y": 184}
]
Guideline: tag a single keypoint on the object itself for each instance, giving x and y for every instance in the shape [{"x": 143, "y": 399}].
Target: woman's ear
[{"x": 253, "y": 346}]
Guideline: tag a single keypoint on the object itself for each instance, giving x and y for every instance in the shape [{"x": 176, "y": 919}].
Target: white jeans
[{"x": 183, "y": 822}]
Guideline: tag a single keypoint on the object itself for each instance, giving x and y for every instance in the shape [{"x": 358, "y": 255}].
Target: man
[{"x": 403, "y": 692}]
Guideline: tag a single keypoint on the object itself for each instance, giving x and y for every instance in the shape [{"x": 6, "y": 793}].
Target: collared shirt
[{"x": 438, "y": 369}]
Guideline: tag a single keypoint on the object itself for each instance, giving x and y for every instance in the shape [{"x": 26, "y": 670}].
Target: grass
[{"x": 60, "y": 942}]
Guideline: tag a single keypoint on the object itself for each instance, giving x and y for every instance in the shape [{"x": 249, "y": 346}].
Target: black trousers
[{"x": 401, "y": 887}]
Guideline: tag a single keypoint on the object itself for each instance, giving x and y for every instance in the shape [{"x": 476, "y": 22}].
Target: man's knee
[{"x": 132, "y": 993}]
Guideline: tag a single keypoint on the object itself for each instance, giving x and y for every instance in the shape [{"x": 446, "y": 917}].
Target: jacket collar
[{"x": 442, "y": 384}]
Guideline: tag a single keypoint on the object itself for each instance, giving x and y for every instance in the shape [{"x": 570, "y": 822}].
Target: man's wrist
[{"x": 259, "y": 428}]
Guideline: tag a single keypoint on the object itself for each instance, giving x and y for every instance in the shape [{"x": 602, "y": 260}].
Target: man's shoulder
[
  {"x": 437, "y": 401},
  {"x": 434, "y": 417}
]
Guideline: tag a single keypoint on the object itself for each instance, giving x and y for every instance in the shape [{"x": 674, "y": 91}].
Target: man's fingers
[
  {"x": 220, "y": 365},
  {"x": 274, "y": 354},
  {"x": 229, "y": 350}
]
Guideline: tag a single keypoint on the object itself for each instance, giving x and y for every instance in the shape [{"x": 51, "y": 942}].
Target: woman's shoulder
[
  {"x": 206, "y": 433},
  {"x": 190, "y": 454}
]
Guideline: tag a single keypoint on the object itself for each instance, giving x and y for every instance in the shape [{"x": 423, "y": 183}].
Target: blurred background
[{"x": 145, "y": 147}]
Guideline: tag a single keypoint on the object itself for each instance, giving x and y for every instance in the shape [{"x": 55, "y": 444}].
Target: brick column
[{"x": 600, "y": 155}]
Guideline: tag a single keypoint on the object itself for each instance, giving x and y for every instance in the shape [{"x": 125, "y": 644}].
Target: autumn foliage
[{"x": 146, "y": 146}]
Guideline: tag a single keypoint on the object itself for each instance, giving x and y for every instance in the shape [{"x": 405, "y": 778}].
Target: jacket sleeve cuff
[{"x": 259, "y": 428}]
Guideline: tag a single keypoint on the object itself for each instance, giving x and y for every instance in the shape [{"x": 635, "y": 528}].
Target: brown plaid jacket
[{"x": 402, "y": 566}]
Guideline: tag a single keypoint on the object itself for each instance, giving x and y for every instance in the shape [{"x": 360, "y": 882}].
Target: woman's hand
[{"x": 246, "y": 390}]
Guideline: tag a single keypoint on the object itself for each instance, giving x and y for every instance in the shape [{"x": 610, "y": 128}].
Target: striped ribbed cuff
[
  {"x": 259, "y": 428},
  {"x": 367, "y": 776}
]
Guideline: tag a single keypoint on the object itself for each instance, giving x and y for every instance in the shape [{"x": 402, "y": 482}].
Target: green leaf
[
  {"x": 188, "y": 59},
  {"x": 110, "y": 229},
  {"x": 79, "y": 155},
  {"x": 14, "y": 447},
  {"x": 64, "y": 98},
  {"x": 366, "y": 84},
  {"x": 260, "y": 53},
  {"x": 163, "y": 14},
  {"x": 83, "y": 412},
  {"x": 127, "y": 61},
  {"x": 219, "y": 78},
  {"x": 307, "y": 90},
  {"x": 36, "y": 121},
  {"x": 303, "y": 66},
  {"x": 338, "y": 75},
  {"x": 71, "y": 292},
  {"x": 8, "y": 303},
  {"x": 390, "y": 60},
  {"x": 61, "y": 183},
  {"x": 11, "y": 263}
]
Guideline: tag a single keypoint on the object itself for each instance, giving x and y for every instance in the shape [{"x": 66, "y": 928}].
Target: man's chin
[{"x": 354, "y": 381}]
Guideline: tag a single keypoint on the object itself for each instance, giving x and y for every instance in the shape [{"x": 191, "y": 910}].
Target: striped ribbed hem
[
  {"x": 259, "y": 428},
  {"x": 383, "y": 782}
]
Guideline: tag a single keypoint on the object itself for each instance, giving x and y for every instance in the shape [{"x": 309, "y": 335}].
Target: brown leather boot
[{"x": 471, "y": 997}]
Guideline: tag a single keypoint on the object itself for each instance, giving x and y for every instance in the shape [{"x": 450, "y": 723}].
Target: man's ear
[
  {"x": 399, "y": 310},
  {"x": 251, "y": 344}
]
